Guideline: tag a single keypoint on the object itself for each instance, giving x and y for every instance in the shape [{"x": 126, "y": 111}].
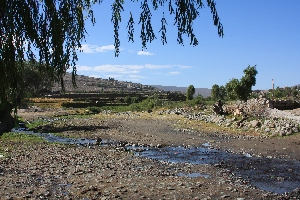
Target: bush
[
  {"x": 95, "y": 110},
  {"x": 128, "y": 100}
]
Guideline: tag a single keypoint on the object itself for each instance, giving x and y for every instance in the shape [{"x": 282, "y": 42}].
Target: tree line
[
  {"x": 236, "y": 89},
  {"x": 242, "y": 89}
]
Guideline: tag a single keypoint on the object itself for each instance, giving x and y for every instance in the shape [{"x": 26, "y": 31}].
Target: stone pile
[
  {"x": 254, "y": 107},
  {"x": 254, "y": 116}
]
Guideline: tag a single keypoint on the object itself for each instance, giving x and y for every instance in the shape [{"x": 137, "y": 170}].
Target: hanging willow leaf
[{"x": 51, "y": 32}]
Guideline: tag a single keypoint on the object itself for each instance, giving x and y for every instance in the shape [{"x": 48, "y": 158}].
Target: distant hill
[
  {"x": 205, "y": 92},
  {"x": 91, "y": 84}
]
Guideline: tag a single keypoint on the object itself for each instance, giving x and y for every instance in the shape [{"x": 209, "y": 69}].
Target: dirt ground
[{"x": 55, "y": 171}]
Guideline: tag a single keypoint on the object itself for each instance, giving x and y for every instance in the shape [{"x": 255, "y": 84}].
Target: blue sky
[{"x": 265, "y": 33}]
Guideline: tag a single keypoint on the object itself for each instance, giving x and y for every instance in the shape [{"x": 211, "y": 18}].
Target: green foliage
[
  {"x": 284, "y": 93},
  {"x": 127, "y": 100},
  {"x": 153, "y": 102},
  {"x": 290, "y": 92},
  {"x": 232, "y": 89},
  {"x": 17, "y": 137},
  {"x": 148, "y": 104},
  {"x": 287, "y": 91},
  {"x": 222, "y": 92},
  {"x": 278, "y": 93},
  {"x": 190, "y": 92},
  {"x": 199, "y": 100},
  {"x": 32, "y": 82},
  {"x": 242, "y": 89},
  {"x": 52, "y": 31},
  {"x": 215, "y": 92},
  {"x": 135, "y": 99},
  {"x": 295, "y": 93},
  {"x": 35, "y": 80},
  {"x": 94, "y": 109},
  {"x": 246, "y": 82},
  {"x": 36, "y": 124}
]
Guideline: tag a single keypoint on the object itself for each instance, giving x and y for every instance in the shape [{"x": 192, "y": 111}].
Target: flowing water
[
  {"x": 270, "y": 174},
  {"x": 274, "y": 175}
]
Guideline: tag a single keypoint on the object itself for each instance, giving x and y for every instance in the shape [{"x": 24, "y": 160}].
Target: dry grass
[{"x": 48, "y": 102}]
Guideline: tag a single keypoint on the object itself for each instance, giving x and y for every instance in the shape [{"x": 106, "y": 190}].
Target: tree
[
  {"x": 241, "y": 89},
  {"x": 128, "y": 100},
  {"x": 246, "y": 83},
  {"x": 278, "y": 92},
  {"x": 287, "y": 91},
  {"x": 190, "y": 92},
  {"x": 232, "y": 89},
  {"x": 222, "y": 92},
  {"x": 35, "y": 82},
  {"x": 295, "y": 92},
  {"x": 52, "y": 31},
  {"x": 215, "y": 92}
]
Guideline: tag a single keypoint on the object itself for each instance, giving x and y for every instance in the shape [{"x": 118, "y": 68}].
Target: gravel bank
[{"x": 48, "y": 171}]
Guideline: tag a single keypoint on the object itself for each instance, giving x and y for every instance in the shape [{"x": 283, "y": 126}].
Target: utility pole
[
  {"x": 273, "y": 88},
  {"x": 273, "y": 94}
]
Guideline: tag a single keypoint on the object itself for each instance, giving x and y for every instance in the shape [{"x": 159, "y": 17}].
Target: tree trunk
[{"x": 7, "y": 122}]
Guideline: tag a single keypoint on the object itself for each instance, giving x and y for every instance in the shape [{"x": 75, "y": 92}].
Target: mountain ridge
[
  {"x": 205, "y": 92},
  {"x": 91, "y": 84}
]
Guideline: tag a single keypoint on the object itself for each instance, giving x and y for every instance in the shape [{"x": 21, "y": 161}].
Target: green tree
[
  {"x": 215, "y": 92},
  {"x": 246, "y": 83},
  {"x": 232, "y": 88},
  {"x": 128, "y": 100},
  {"x": 295, "y": 92},
  {"x": 287, "y": 91},
  {"x": 135, "y": 99},
  {"x": 190, "y": 92},
  {"x": 35, "y": 82},
  {"x": 222, "y": 92},
  {"x": 51, "y": 32},
  {"x": 242, "y": 89},
  {"x": 278, "y": 92}
]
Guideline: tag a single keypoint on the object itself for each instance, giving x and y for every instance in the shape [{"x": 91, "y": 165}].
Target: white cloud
[
  {"x": 172, "y": 73},
  {"x": 128, "y": 69},
  {"x": 105, "y": 48},
  {"x": 136, "y": 77},
  {"x": 84, "y": 68},
  {"x": 128, "y": 72},
  {"x": 144, "y": 53},
  {"x": 150, "y": 66},
  {"x": 87, "y": 48},
  {"x": 184, "y": 66},
  {"x": 123, "y": 69}
]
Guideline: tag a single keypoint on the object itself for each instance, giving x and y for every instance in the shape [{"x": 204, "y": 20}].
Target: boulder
[{"x": 254, "y": 123}]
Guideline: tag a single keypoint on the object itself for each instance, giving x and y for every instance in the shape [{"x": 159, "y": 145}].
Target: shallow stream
[{"x": 269, "y": 174}]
